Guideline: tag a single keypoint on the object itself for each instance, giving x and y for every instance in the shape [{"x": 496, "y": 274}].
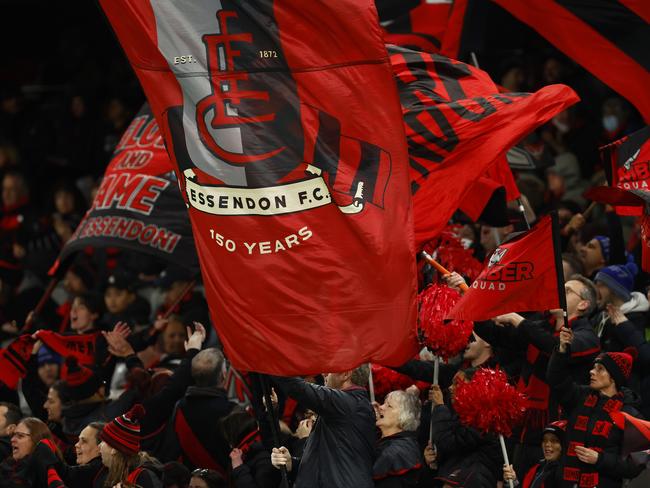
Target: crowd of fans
[{"x": 153, "y": 410}]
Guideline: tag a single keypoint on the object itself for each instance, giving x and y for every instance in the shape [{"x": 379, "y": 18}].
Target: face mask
[
  {"x": 610, "y": 123},
  {"x": 560, "y": 126},
  {"x": 466, "y": 243}
]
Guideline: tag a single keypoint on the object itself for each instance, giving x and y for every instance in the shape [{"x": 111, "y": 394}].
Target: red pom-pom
[
  {"x": 445, "y": 339},
  {"x": 489, "y": 403},
  {"x": 386, "y": 380},
  {"x": 449, "y": 251}
]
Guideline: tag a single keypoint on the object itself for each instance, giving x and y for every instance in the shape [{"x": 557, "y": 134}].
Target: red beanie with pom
[{"x": 123, "y": 433}]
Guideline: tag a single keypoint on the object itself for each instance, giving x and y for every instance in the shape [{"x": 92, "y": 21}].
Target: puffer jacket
[{"x": 399, "y": 461}]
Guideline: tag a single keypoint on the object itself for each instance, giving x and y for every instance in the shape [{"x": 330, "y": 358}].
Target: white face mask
[
  {"x": 610, "y": 123},
  {"x": 560, "y": 126},
  {"x": 466, "y": 243}
]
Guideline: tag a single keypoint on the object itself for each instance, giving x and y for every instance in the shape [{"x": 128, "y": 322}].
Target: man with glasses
[{"x": 537, "y": 339}]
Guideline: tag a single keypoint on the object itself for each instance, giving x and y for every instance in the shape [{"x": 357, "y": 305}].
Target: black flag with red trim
[{"x": 138, "y": 205}]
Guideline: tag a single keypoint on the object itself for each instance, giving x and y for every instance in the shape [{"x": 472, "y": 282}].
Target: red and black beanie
[
  {"x": 123, "y": 433},
  {"x": 618, "y": 365},
  {"x": 80, "y": 382}
]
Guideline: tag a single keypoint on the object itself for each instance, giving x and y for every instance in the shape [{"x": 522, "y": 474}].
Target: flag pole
[
  {"x": 504, "y": 451},
  {"x": 441, "y": 269},
  {"x": 522, "y": 210},
  {"x": 275, "y": 423},
  {"x": 436, "y": 375},
  {"x": 371, "y": 384},
  {"x": 559, "y": 269},
  {"x": 186, "y": 291},
  {"x": 29, "y": 321}
]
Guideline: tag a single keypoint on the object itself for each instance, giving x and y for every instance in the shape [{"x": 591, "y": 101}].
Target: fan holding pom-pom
[
  {"x": 445, "y": 339},
  {"x": 490, "y": 404}
]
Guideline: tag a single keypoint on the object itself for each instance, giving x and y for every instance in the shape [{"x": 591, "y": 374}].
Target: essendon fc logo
[
  {"x": 245, "y": 142},
  {"x": 497, "y": 255}
]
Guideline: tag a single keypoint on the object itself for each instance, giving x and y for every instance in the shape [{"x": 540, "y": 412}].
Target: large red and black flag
[
  {"x": 458, "y": 128},
  {"x": 284, "y": 124},
  {"x": 415, "y": 24},
  {"x": 523, "y": 274},
  {"x": 609, "y": 38},
  {"x": 627, "y": 165},
  {"x": 636, "y": 432},
  {"x": 138, "y": 205}
]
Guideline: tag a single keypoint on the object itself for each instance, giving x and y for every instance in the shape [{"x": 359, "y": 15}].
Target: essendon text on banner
[
  {"x": 137, "y": 204},
  {"x": 224, "y": 133}
]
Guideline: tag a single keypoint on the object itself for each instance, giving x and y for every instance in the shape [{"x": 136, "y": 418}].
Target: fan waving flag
[
  {"x": 284, "y": 124},
  {"x": 138, "y": 205},
  {"x": 458, "y": 128},
  {"x": 608, "y": 38},
  {"x": 627, "y": 163},
  {"x": 523, "y": 274}
]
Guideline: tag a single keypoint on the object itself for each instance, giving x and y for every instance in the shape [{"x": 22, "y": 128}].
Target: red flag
[
  {"x": 636, "y": 432},
  {"x": 81, "y": 346},
  {"x": 628, "y": 162},
  {"x": 13, "y": 360},
  {"x": 284, "y": 123},
  {"x": 609, "y": 40},
  {"x": 457, "y": 130},
  {"x": 522, "y": 275}
]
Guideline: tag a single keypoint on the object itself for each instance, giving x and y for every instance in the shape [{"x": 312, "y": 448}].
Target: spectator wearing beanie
[
  {"x": 595, "y": 254},
  {"x": 120, "y": 448},
  {"x": 43, "y": 370},
  {"x": 615, "y": 286},
  {"x": 86, "y": 395},
  {"x": 593, "y": 453},
  {"x": 544, "y": 474}
]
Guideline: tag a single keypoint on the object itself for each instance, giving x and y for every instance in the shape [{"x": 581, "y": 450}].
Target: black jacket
[
  {"x": 340, "y": 449},
  {"x": 538, "y": 338},
  {"x": 590, "y": 424},
  {"x": 545, "y": 474},
  {"x": 630, "y": 336},
  {"x": 399, "y": 461},
  {"x": 465, "y": 456},
  {"x": 160, "y": 406},
  {"x": 194, "y": 434},
  {"x": 257, "y": 470}
]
